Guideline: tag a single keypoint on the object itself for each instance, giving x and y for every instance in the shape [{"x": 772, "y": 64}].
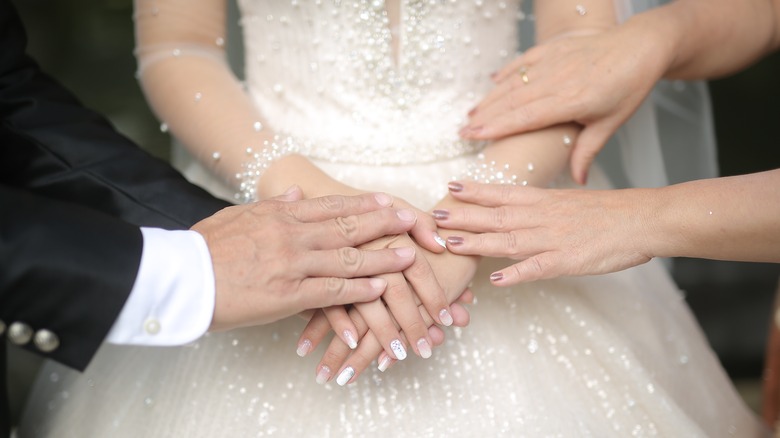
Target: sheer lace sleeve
[{"x": 182, "y": 67}]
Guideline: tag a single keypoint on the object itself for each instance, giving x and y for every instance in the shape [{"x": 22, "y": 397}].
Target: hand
[
  {"x": 553, "y": 232},
  {"x": 276, "y": 258},
  {"x": 454, "y": 273},
  {"x": 596, "y": 79},
  {"x": 402, "y": 296}
]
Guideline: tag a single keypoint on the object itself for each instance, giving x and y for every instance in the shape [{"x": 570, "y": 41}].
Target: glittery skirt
[{"x": 611, "y": 355}]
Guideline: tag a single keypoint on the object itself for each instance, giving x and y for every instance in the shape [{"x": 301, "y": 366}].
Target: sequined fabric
[{"x": 613, "y": 355}]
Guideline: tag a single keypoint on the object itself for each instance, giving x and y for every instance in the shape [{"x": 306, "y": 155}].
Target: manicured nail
[
  {"x": 293, "y": 188},
  {"x": 470, "y": 131},
  {"x": 378, "y": 284},
  {"x": 472, "y": 111},
  {"x": 384, "y": 363},
  {"x": 350, "y": 338},
  {"x": 455, "y": 187},
  {"x": 496, "y": 276},
  {"x": 424, "y": 348},
  {"x": 455, "y": 240},
  {"x": 406, "y": 215},
  {"x": 440, "y": 240},
  {"x": 494, "y": 75},
  {"x": 405, "y": 252},
  {"x": 445, "y": 317},
  {"x": 345, "y": 376},
  {"x": 398, "y": 349},
  {"x": 440, "y": 214},
  {"x": 383, "y": 199},
  {"x": 323, "y": 375},
  {"x": 304, "y": 348}
]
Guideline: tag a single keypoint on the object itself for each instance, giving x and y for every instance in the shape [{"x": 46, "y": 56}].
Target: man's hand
[{"x": 276, "y": 258}]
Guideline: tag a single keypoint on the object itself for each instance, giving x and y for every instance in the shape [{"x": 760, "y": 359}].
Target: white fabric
[
  {"x": 612, "y": 355},
  {"x": 172, "y": 300}
]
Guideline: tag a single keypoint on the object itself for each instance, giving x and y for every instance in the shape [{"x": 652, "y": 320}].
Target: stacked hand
[{"x": 597, "y": 79}]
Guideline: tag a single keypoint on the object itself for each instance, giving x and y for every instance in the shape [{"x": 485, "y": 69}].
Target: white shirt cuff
[{"x": 172, "y": 301}]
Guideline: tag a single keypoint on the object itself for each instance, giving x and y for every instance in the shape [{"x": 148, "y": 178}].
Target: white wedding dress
[{"x": 612, "y": 355}]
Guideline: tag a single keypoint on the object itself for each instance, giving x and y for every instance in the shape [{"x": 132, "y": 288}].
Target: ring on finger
[{"x": 523, "y": 72}]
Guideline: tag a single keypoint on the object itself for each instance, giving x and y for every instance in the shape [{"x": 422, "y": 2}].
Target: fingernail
[
  {"x": 440, "y": 214},
  {"x": 496, "y": 276},
  {"x": 323, "y": 375},
  {"x": 406, "y": 215},
  {"x": 405, "y": 252},
  {"x": 383, "y": 199},
  {"x": 470, "y": 131},
  {"x": 424, "y": 348},
  {"x": 304, "y": 348},
  {"x": 494, "y": 75},
  {"x": 293, "y": 188},
  {"x": 378, "y": 284},
  {"x": 350, "y": 338},
  {"x": 440, "y": 240},
  {"x": 384, "y": 363},
  {"x": 345, "y": 376},
  {"x": 472, "y": 111},
  {"x": 445, "y": 317},
  {"x": 455, "y": 187},
  {"x": 398, "y": 349},
  {"x": 455, "y": 240}
]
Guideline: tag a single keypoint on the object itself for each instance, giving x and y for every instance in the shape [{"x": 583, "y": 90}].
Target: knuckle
[
  {"x": 347, "y": 227},
  {"x": 351, "y": 260},
  {"x": 511, "y": 243},
  {"x": 500, "y": 218},
  {"x": 331, "y": 203},
  {"x": 335, "y": 287}
]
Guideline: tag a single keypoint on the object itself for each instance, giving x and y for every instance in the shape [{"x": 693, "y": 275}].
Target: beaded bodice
[{"x": 368, "y": 82}]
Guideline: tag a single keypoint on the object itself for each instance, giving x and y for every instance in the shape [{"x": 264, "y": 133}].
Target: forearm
[
  {"x": 709, "y": 38},
  {"x": 730, "y": 218}
]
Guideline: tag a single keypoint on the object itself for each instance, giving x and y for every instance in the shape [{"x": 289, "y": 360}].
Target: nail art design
[
  {"x": 398, "y": 349},
  {"x": 304, "y": 348},
  {"x": 345, "y": 376},
  {"x": 440, "y": 240},
  {"x": 424, "y": 348},
  {"x": 323, "y": 375},
  {"x": 445, "y": 317},
  {"x": 350, "y": 338}
]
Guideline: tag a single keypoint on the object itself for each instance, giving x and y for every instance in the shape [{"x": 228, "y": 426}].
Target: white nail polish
[
  {"x": 440, "y": 240},
  {"x": 445, "y": 317},
  {"x": 323, "y": 375},
  {"x": 350, "y": 338},
  {"x": 304, "y": 348},
  {"x": 424, "y": 348},
  {"x": 345, "y": 376},
  {"x": 398, "y": 349},
  {"x": 384, "y": 363}
]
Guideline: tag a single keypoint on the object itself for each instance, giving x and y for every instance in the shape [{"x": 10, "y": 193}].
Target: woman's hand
[
  {"x": 595, "y": 78},
  {"x": 552, "y": 232},
  {"x": 454, "y": 274}
]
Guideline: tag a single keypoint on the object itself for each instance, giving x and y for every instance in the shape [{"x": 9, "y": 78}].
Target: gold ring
[{"x": 523, "y": 71}]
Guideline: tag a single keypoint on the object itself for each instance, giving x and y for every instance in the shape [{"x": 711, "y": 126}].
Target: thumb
[
  {"x": 292, "y": 194},
  {"x": 588, "y": 145}
]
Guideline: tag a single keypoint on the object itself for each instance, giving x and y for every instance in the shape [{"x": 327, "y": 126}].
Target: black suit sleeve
[{"x": 54, "y": 147}]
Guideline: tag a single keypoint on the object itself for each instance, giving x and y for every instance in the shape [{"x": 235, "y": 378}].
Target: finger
[
  {"x": 589, "y": 143},
  {"x": 359, "y": 360},
  {"x": 351, "y": 262},
  {"x": 510, "y": 244},
  {"x": 334, "y": 206},
  {"x": 337, "y": 351},
  {"x": 381, "y": 323},
  {"x": 493, "y": 195},
  {"x": 292, "y": 194},
  {"x": 356, "y": 229},
  {"x": 436, "y": 334},
  {"x": 480, "y": 219},
  {"x": 538, "y": 114},
  {"x": 460, "y": 316},
  {"x": 318, "y": 292},
  {"x": 467, "y": 297},
  {"x": 403, "y": 306},
  {"x": 509, "y": 69},
  {"x": 539, "y": 267},
  {"x": 315, "y": 331},
  {"x": 426, "y": 235},
  {"x": 342, "y": 325},
  {"x": 426, "y": 286}
]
